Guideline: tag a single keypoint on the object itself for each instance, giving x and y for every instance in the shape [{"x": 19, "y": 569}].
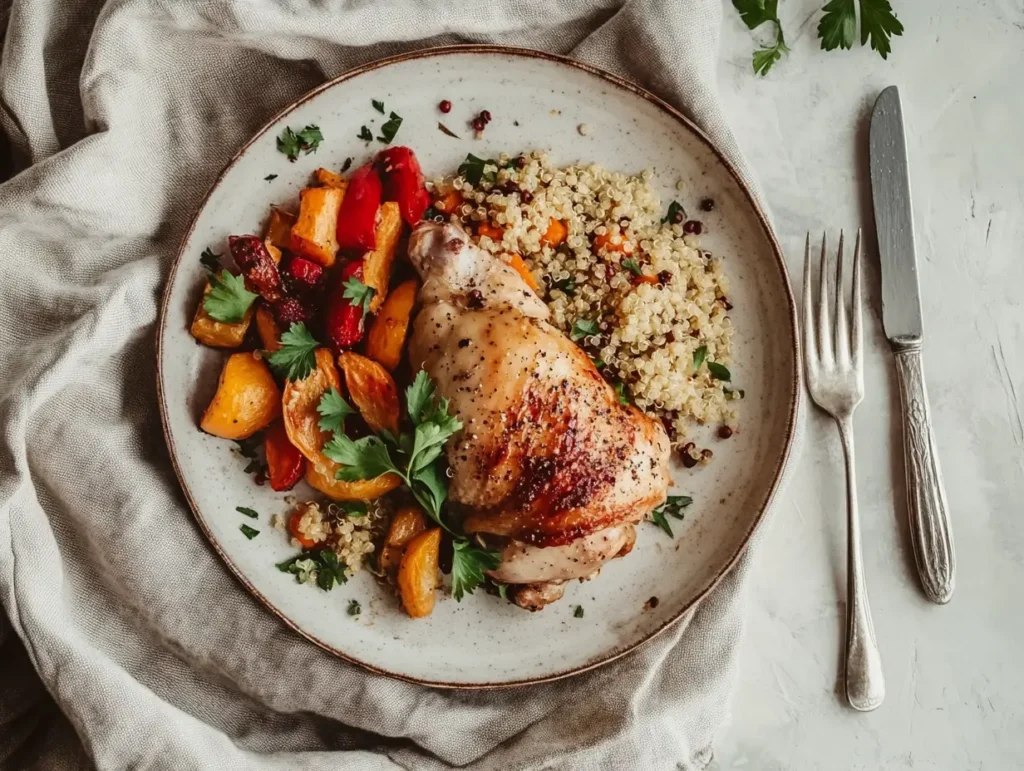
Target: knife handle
[{"x": 930, "y": 529}]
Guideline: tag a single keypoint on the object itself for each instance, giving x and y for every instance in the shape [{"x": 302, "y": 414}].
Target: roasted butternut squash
[
  {"x": 279, "y": 228},
  {"x": 386, "y": 337},
  {"x": 373, "y": 391},
  {"x": 314, "y": 234},
  {"x": 377, "y": 263},
  {"x": 217, "y": 334},
  {"x": 266, "y": 325},
  {"x": 247, "y": 399}
]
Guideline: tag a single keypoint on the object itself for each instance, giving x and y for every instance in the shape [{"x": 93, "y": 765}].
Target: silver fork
[{"x": 835, "y": 378}]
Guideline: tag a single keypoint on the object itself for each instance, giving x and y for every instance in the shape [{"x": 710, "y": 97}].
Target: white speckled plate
[{"x": 537, "y": 101}]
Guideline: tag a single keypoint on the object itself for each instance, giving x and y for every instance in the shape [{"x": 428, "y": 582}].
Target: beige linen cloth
[{"x": 126, "y": 642}]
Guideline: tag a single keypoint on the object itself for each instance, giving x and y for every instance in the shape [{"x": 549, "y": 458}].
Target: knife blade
[{"x": 894, "y": 220}]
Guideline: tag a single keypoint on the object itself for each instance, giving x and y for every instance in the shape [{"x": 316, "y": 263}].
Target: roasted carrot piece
[
  {"x": 555, "y": 234},
  {"x": 645, "y": 279},
  {"x": 449, "y": 202},
  {"x": 386, "y": 338},
  {"x": 218, "y": 334},
  {"x": 377, "y": 263},
  {"x": 489, "y": 230},
  {"x": 279, "y": 228},
  {"x": 517, "y": 263},
  {"x": 417, "y": 573},
  {"x": 266, "y": 325},
  {"x": 293, "y": 529},
  {"x": 247, "y": 399},
  {"x": 407, "y": 523}
]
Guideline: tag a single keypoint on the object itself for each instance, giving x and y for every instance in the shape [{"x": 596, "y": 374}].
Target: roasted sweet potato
[
  {"x": 555, "y": 234},
  {"x": 372, "y": 390},
  {"x": 299, "y": 403},
  {"x": 377, "y": 263},
  {"x": 417, "y": 573},
  {"x": 314, "y": 233},
  {"x": 407, "y": 523},
  {"x": 266, "y": 325},
  {"x": 328, "y": 178},
  {"x": 285, "y": 464},
  {"x": 517, "y": 263},
  {"x": 247, "y": 399},
  {"x": 279, "y": 228},
  {"x": 217, "y": 334},
  {"x": 386, "y": 338},
  {"x": 321, "y": 477}
]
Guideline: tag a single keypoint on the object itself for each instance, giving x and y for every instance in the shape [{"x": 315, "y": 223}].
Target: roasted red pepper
[
  {"x": 357, "y": 218},
  {"x": 403, "y": 182},
  {"x": 285, "y": 464},
  {"x": 257, "y": 265},
  {"x": 344, "y": 322},
  {"x": 305, "y": 273}
]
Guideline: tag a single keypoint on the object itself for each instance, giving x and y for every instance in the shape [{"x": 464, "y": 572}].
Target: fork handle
[{"x": 930, "y": 529}]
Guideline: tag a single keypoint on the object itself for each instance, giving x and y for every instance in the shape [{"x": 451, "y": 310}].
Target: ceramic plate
[{"x": 537, "y": 101}]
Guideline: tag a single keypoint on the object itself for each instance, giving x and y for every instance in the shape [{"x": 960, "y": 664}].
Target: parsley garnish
[
  {"x": 249, "y": 532},
  {"x": 472, "y": 169},
  {"x": 878, "y": 23},
  {"x": 755, "y": 13},
  {"x": 377, "y": 105},
  {"x": 333, "y": 410},
  {"x": 247, "y": 511},
  {"x": 583, "y": 328},
  {"x": 673, "y": 506},
  {"x": 228, "y": 300},
  {"x": 632, "y": 266},
  {"x": 620, "y": 389},
  {"x": 567, "y": 285},
  {"x": 354, "y": 609},
  {"x": 699, "y": 356},
  {"x": 270, "y": 177},
  {"x": 330, "y": 571},
  {"x": 359, "y": 293},
  {"x": 346, "y": 165},
  {"x": 355, "y": 508},
  {"x": 719, "y": 371},
  {"x": 674, "y": 208},
  {"x": 389, "y": 129},
  {"x": 469, "y": 562},
  {"x": 578, "y": 613},
  {"x": 296, "y": 357},
  {"x": 210, "y": 260},
  {"x": 307, "y": 140},
  {"x": 365, "y": 134}
]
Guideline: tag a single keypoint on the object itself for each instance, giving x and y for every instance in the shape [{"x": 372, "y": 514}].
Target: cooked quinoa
[
  {"x": 655, "y": 296},
  {"x": 350, "y": 537}
]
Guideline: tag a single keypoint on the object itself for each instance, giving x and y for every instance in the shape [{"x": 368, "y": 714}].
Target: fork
[{"x": 835, "y": 379}]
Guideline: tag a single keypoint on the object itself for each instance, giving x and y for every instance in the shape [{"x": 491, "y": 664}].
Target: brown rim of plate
[{"x": 620, "y": 83}]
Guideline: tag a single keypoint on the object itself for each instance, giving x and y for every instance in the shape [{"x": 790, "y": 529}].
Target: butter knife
[{"x": 930, "y": 528}]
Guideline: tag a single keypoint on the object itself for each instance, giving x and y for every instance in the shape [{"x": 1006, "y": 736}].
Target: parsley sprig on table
[
  {"x": 416, "y": 458},
  {"x": 228, "y": 300},
  {"x": 755, "y": 13}
]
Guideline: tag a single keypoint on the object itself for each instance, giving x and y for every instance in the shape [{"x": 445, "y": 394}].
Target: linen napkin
[{"x": 129, "y": 645}]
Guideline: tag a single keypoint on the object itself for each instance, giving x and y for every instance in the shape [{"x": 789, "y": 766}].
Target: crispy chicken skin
[{"x": 548, "y": 457}]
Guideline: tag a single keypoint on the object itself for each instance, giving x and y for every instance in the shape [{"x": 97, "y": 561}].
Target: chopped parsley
[
  {"x": 291, "y": 143},
  {"x": 578, "y": 613},
  {"x": 632, "y": 266},
  {"x": 377, "y": 105},
  {"x": 672, "y": 507},
  {"x": 620, "y": 389},
  {"x": 210, "y": 260},
  {"x": 583, "y": 328},
  {"x": 228, "y": 300},
  {"x": 346, "y": 165},
  {"x": 247, "y": 447},
  {"x": 567, "y": 285},
  {"x": 296, "y": 357},
  {"x": 247, "y": 511},
  {"x": 365, "y": 134},
  {"x": 359, "y": 293},
  {"x": 389, "y": 129},
  {"x": 270, "y": 177},
  {"x": 354, "y": 609},
  {"x": 249, "y": 532},
  {"x": 719, "y": 371},
  {"x": 472, "y": 169}
]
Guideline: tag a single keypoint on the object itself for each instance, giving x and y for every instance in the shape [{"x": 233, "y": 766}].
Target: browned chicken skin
[{"x": 549, "y": 458}]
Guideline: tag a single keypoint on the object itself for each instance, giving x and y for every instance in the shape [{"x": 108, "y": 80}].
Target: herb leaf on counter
[
  {"x": 251, "y": 513},
  {"x": 754, "y": 13},
  {"x": 378, "y": 105},
  {"x": 365, "y": 134}
]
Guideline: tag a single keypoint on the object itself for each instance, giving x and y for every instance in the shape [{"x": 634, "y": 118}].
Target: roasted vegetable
[
  {"x": 377, "y": 264},
  {"x": 417, "y": 573},
  {"x": 313, "y": 234},
  {"x": 407, "y": 523},
  {"x": 357, "y": 219},
  {"x": 486, "y": 229},
  {"x": 303, "y": 274},
  {"x": 285, "y": 464},
  {"x": 218, "y": 334},
  {"x": 555, "y": 234},
  {"x": 386, "y": 337},
  {"x": 344, "y": 317},
  {"x": 449, "y": 202},
  {"x": 293, "y": 529},
  {"x": 372, "y": 390},
  {"x": 270, "y": 333},
  {"x": 322, "y": 478},
  {"x": 247, "y": 399},
  {"x": 273, "y": 251},
  {"x": 279, "y": 228},
  {"x": 519, "y": 266},
  {"x": 257, "y": 265},
  {"x": 328, "y": 178},
  {"x": 612, "y": 243},
  {"x": 403, "y": 182}
]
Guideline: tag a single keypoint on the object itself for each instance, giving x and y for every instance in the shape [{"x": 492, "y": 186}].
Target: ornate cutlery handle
[{"x": 930, "y": 528}]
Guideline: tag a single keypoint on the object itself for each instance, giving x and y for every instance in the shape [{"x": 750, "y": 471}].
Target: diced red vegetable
[
  {"x": 304, "y": 272},
  {"x": 257, "y": 265},
  {"x": 357, "y": 218},
  {"x": 403, "y": 182},
  {"x": 290, "y": 310},
  {"x": 293, "y": 530},
  {"x": 285, "y": 464},
  {"x": 344, "y": 323}
]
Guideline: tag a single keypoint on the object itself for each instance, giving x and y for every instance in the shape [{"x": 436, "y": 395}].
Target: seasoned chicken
[{"x": 549, "y": 464}]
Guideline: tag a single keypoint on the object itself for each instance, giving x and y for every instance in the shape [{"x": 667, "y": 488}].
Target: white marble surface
[{"x": 954, "y": 674}]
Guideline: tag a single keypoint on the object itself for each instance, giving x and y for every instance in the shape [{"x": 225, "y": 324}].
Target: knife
[{"x": 930, "y": 528}]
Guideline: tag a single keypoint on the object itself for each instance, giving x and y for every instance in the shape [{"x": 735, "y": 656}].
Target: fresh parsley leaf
[
  {"x": 252, "y": 467},
  {"x": 354, "y": 608},
  {"x": 359, "y": 293},
  {"x": 838, "y": 25},
  {"x": 578, "y": 613},
  {"x": 699, "y": 356},
  {"x": 288, "y": 143},
  {"x": 764, "y": 58},
  {"x": 210, "y": 260},
  {"x": 755, "y": 13},
  {"x": 719, "y": 371},
  {"x": 469, "y": 562},
  {"x": 330, "y": 571},
  {"x": 346, "y": 165},
  {"x": 377, "y": 105},
  {"x": 583, "y": 328},
  {"x": 365, "y": 134},
  {"x": 291, "y": 143},
  {"x": 674, "y": 208},
  {"x": 567, "y": 285},
  {"x": 354, "y": 508},
  {"x": 228, "y": 300},
  {"x": 296, "y": 357},
  {"x": 673, "y": 506},
  {"x": 620, "y": 389},
  {"x": 445, "y": 130},
  {"x": 431, "y": 490},
  {"x": 249, "y": 532},
  {"x": 429, "y": 439},
  {"x": 419, "y": 397},
  {"x": 389, "y": 129},
  {"x": 360, "y": 459},
  {"x": 878, "y": 23},
  {"x": 310, "y": 139},
  {"x": 333, "y": 410},
  {"x": 632, "y": 266},
  {"x": 472, "y": 169},
  {"x": 288, "y": 566},
  {"x": 270, "y": 177},
  {"x": 247, "y": 511}
]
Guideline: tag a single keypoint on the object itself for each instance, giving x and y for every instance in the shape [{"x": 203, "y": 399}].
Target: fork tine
[
  {"x": 810, "y": 344},
  {"x": 842, "y": 341},
  {"x": 857, "y": 334},
  {"x": 824, "y": 324}
]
